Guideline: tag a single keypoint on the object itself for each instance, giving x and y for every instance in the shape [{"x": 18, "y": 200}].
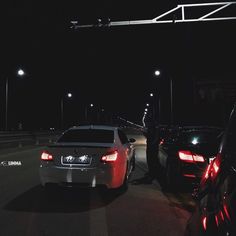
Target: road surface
[{"x": 144, "y": 209}]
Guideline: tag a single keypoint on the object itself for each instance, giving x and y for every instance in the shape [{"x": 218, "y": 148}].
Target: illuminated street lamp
[
  {"x": 157, "y": 102},
  {"x": 157, "y": 72},
  {"x": 20, "y": 73},
  {"x": 68, "y": 95}
]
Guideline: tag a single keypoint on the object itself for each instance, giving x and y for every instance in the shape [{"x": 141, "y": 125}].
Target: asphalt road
[{"x": 144, "y": 209}]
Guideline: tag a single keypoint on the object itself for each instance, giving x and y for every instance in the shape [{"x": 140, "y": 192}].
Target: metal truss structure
[{"x": 179, "y": 14}]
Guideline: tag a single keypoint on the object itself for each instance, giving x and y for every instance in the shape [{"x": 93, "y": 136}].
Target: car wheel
[
  {"x": 124, "y": 185},
  {"x": 133, "y": 163},
  {"x": 170, "y": 178},
  {"x": 131, "y": 167}
]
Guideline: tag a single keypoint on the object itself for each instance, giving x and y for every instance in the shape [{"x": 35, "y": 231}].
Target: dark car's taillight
[
  {"x": 110, "y": 157},
  {"x": 45, "y": 156},
  {"x": 212, "y": 169},
  {"x": 188, "y": 156}
]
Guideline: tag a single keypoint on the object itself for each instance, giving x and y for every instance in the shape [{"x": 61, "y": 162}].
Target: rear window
[
  {"x": 88, "y": 136},
  {"x": 199, "y": 137}
]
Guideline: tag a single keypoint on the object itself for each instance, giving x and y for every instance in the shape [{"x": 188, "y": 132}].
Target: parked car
[
  {"x": 215, "y": 213},
  {"x": 88, "y": 155},
  {"x": 184, "y": 154}
]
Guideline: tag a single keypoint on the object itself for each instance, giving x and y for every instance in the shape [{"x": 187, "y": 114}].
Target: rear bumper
[
  {"x": 191, "y": 172},
  {"x": 88, "y": 176}
]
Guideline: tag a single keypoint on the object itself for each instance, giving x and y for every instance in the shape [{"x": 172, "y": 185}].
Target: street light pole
[
  {"x": 20, "y": 73},
  {"x": 158, "y": 102},
  {"x": 69, "y": 95},
  {"x": 171, "y": 101},
  {"x": 62, "y": 113},
  {"x": 158, "y": 73},
  {"x": 6, "y": 113}
]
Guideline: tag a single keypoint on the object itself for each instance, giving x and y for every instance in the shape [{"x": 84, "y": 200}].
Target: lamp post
[
  {"x": 157, "y": 110},
  {"x": 69, "y": 95},
  {"x": 87, "y": 116},
  {"x": 158, "y": 73},
  {"x": 20, "y": 73},
  {"x": 171, "y": 101}
]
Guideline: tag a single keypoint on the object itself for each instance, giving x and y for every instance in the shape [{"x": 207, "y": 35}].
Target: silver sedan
[{"x": 88, "y": 156}]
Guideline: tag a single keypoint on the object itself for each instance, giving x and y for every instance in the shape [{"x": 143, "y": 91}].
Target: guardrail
[{"x": 24, "y": 138}]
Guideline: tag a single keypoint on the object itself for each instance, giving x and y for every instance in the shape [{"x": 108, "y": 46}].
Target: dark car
[
  {"x": 215, "y": 213},
  {"x": 185, "y": 153}
]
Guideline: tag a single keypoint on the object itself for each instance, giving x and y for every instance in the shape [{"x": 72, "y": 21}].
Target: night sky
[{"x": 110, "y": 67}]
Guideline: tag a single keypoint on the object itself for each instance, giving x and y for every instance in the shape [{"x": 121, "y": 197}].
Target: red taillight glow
[
  {"x": 198, "y": 158},
  {"x": 110, "y": 157},
  {"x": 217, "y": 221},
  {"x": 190, "y": 157},
  {"x": 215, "y": 168},
  {"x": 45, "y": 156},
  {"x": 207, "y": 173},
  {"x": 212, "y": 170},
  {"x": 204, "y": 223},
  {"x": 190, "y": 175},
  {"x": 222, "y": 215},
  {"x": 226, "y": 211}
]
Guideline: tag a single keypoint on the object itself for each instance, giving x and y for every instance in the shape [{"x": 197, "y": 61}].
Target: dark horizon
[{"x": 110, "y": 67}]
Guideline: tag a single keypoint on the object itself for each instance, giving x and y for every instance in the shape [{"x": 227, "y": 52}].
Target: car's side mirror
[{"x": 132, "y": 140}]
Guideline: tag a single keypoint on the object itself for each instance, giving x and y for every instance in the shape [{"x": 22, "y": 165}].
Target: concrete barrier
[{"x": 24, "y": 138}]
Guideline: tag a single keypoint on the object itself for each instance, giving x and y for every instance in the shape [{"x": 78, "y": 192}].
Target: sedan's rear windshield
[
  {"x": 88, "y": 136},
  {"x": 199, "y": 137}
]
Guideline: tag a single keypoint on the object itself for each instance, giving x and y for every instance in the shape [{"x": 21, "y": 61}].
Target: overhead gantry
[{"x": 179, "y": 14}]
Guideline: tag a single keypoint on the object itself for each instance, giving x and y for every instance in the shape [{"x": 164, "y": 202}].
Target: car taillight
[
  {"x": 45, "y": 156},
  {"x": 188, "y": 156},
  {"x": 207, "y": 173},
  {"x": 215, "y": 168},
  {"x": 212, "y": 169},
  {"x": 204, "y": 223},
  {"x": 110, "y": 157}
]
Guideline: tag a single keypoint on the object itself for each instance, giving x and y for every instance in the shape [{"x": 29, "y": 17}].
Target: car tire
[
  {"x": 133, "y": 163},
  {"x": 170, "y": 178}
]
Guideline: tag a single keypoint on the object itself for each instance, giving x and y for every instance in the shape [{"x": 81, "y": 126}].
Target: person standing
[{"x": 152, "y": 148}]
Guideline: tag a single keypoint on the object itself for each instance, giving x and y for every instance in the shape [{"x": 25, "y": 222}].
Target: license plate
[{"x": 81, "y": 160}]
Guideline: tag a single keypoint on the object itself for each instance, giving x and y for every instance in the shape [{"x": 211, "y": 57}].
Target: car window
[
  {"x": 88, "y": 136},
  {"x": 199, "y": 137},
  {"x": 123, "y": 137}
]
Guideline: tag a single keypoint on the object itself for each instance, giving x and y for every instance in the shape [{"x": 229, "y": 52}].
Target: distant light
[
  {"x": 157, "y": 73},
  {"x": 91, "y": 105},
  {"x": 146, "y": 109},
  {"x": 20, "y": 72},
  {"x": 194, "y": 141},
  {"x": 151, "y": 94},
  {"x": 147, "y": 104},
  {"x": 145, "y": 113},
  {"x": 69, "y": 95}
]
